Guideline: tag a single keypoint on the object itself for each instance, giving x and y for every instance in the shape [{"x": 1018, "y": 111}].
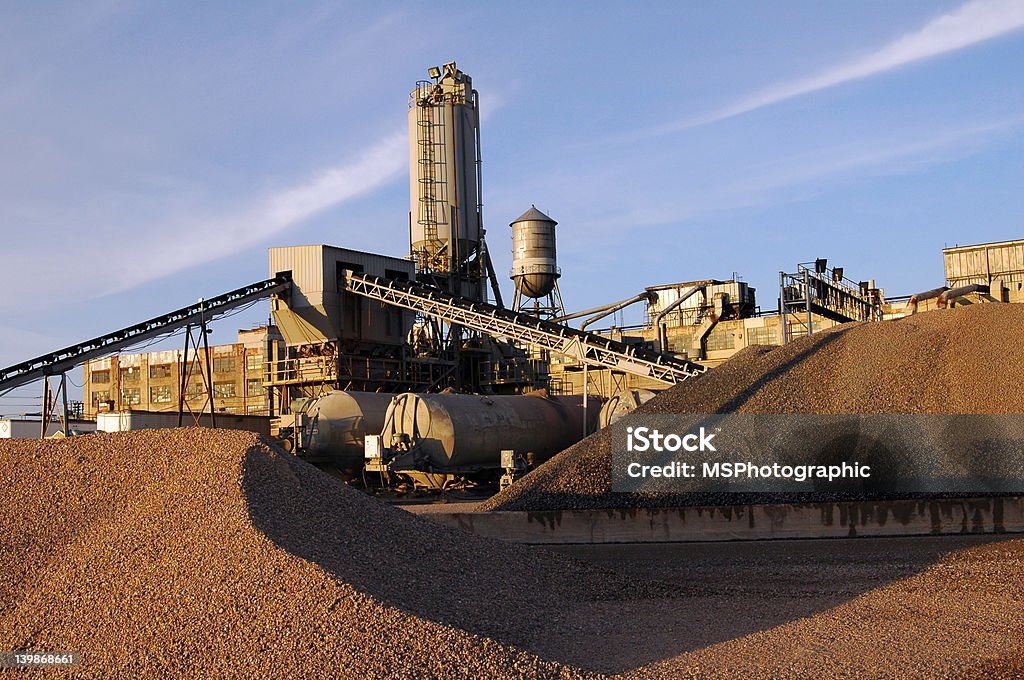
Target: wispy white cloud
[
  {"x": 195, "y": 235},
  {"x": 191, "y": 244},
  {"x": 969, "y": 24},
  {"x": 186, "y": 242},
  {"x": 20, "y": 343},
  {"x": 802, "y": 175}
]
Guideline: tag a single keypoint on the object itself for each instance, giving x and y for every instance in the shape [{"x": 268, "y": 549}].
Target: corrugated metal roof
[{"x": 533, "y": 215}]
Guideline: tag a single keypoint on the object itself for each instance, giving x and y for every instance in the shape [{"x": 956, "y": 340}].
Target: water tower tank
[{"x": 534, "y": 268}]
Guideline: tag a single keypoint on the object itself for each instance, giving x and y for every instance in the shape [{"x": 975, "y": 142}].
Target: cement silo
[
  {"x": 444, "y": 181},
  {"x": 534, "y": 265}
]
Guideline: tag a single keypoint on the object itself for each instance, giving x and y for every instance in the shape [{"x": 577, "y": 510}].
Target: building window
[
  {"x": 130, "y": 374},
  {"x": 223, "y": 364},
  {"x": 766, "y": 335},
  {"x": 680, "y": 344},
  {"x": 101, "y": 377},
  {"x": 195, "y": 390},
  {"x": 131, "y": 396},
  {"x": 160, "y": 371},
  {"x": 161, "y": 394},
  {"x": 719, "y": 340},
  {"x": 254, "y": 388},
  {"x": 254, "y": 363},
  {"x": 100, "y": 396},
  {"x": 223, "y": 389}
]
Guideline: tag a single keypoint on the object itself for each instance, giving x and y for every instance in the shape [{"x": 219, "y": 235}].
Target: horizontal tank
[
  {"x": 534, "y": 267},
  {"x": 466, "y": 433},
  {"x": 623, "y": 403},
  {"x": 339, "y": 421}
]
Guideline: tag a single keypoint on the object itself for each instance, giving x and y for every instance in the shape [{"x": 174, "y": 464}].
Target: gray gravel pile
[
  {"x": 961, "y": 361},
  {"x": 204, "y": 553}
]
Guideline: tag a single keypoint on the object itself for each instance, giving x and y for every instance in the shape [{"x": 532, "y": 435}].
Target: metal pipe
[
  {"x": 646, "y": 295},
  {"x": 595, "y": 310},
  {"x": 182, "y": 383},
  {"x": 953, "y": 293},
  {"x": 807, "y": 300},
  {"x": 586, "y": 391},
  {"x": 44, "y": 417},
  {"x": 491, "y": 275},
  {"x": 663, "y": 331},
  {"x": 709, "y": 325},
  {"x": 209, "y": 360},
  {"x": 911, "y": 307},
  {"x": 782, "y": 307},
  {"x": 64, "y": 397}
]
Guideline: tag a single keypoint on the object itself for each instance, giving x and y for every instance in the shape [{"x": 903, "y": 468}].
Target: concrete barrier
[{"x": 748, "y": 522}]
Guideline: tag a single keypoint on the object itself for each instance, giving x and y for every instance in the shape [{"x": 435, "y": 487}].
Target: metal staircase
[
  {"x": 589, "y": 348},
  {"x": 430, "y": 139}
]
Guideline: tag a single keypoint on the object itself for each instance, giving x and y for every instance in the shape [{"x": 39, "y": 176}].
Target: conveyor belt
[
  {"x": 62, "y": 360},
  {"x": 590, "y": 348}
]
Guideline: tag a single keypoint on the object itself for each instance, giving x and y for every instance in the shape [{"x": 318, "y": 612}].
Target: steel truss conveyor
[
  {"x": 588, "y": 348},
  {"x": 59, "y": 362}
]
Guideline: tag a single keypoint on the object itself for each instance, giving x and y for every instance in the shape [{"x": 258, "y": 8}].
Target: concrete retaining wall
[{"x": 749, "y": 522}]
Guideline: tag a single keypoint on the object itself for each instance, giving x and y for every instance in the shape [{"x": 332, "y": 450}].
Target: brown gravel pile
[
  {"x": 204, "y": 553},
  {"x": 963, "y": 360},
  {"x": 960, "y": 617}
]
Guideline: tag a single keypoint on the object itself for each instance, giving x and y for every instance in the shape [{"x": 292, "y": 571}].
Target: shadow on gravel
[
  {"x": 814, "y": 345},
  {"x": 513, "y": 594},
  {"x": 739, "y": 588},
  {"x": 623, "y": 608}
]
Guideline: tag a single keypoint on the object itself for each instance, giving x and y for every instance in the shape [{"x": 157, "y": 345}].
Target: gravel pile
[
  {"x": 204, "y": 553},
  {"x": 959, "y": 618},
  {"x": 961, "y": 361}
]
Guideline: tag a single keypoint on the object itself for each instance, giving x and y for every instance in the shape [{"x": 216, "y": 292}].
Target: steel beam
[
  {"x": 65, "y": 359},
  {"x": 588, "y": 348}
]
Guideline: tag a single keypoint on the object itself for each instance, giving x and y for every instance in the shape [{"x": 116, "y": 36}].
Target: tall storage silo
[
  {"x": 535, "y": 270},
  {"x": 445, "y": 227}
]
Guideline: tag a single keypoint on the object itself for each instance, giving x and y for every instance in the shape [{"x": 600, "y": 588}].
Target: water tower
[{"x": 535, "y": 270}]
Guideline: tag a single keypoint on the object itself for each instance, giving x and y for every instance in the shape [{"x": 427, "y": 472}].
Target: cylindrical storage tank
[
  {"x": 444, "y": 188},
  {"x": 623, "y": 403},
  {"x": 463, "y": 432},
  {"x": 340, "y": 420},
  {"x": 534, "y": 267}
]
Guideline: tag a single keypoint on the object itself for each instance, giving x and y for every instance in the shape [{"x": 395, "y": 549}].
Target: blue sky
[{"x": 150, "y": 153}]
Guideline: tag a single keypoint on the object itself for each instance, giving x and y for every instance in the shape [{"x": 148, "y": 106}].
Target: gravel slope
[
  {"x": 963, "y": 360},
  {"x": 960, "y": 617},
  {"x": 204, "y": 553}
]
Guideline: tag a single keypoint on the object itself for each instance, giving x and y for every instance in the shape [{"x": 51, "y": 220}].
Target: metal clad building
[
  {"x": 740, "y": 298},
  {"x": 988, "y": 264},
  {"x": 319, "y": 312}
]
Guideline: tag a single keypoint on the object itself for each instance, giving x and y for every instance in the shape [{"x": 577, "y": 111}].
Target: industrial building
[
  {"x": 151, "y": 381},
  {"x": 356, "y": 336},
  {"x": 999, "y": 266}
]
